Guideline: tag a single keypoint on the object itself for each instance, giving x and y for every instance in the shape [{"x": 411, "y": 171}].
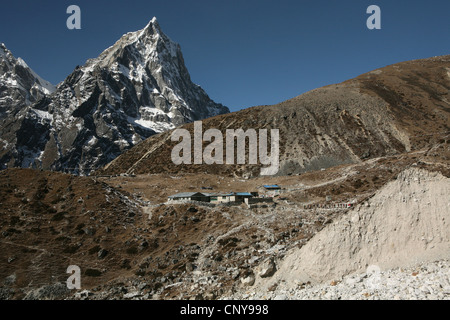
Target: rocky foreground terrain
[
  {"x": 403, "y": 226},
  {"x": 131, "y": 244},
  {"x": 425, "y": 281}
]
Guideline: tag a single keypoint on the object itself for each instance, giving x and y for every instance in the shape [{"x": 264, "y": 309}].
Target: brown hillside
[
  {"x": 396, "y": 109},
  {"x": 49, "y": 221}
]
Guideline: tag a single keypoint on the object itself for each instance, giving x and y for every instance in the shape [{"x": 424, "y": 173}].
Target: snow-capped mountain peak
[
  {"x": 137, "y": 87},
  {"x": 19, "y": 84},
  {"x": 153, "y": 26},
  {"x": 141, "y": 46}
]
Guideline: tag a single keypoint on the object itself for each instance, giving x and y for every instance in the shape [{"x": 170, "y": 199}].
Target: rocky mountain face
[
  {"x": 19, "y": 85},
  {"x": 400, "y": 108},
  {"x": 136, "y": 88}
]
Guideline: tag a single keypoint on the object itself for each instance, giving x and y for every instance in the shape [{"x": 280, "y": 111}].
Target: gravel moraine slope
[{"x": 428, "y": 281}]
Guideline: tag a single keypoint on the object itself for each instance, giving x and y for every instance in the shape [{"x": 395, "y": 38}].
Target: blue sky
[{"x": 243, "y": 53}]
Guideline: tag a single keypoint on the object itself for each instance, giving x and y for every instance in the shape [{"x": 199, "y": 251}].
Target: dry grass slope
[{"x": 400, "y": 108}]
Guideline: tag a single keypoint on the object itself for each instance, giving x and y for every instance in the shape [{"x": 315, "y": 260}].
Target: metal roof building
[
  {"x": 189, "y": 196},
  {"x": 272, "y": 187}
]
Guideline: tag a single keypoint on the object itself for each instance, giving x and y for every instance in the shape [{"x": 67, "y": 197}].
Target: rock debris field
[
  {"x": 394, "y": 246},
  {"x": 429, "y": 281}
]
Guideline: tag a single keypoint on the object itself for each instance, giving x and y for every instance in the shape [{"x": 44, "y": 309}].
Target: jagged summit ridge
[
  {"x": 10, "y": 64},
  {"x": 144, "y": 40},
  {"x": 19, "y": 85}
]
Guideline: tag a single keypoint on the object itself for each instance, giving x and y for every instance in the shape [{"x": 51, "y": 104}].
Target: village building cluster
[
  {"x": 228, "y": 197},
  {"x": 269, "y": 192}
]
